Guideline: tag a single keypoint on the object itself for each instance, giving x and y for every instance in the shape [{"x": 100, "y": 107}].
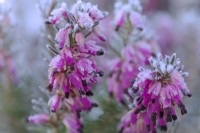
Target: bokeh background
[{"x": 175, "y": 23}]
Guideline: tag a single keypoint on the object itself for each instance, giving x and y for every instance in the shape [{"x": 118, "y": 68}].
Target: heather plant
[
  {"x": 135, "y": 75},
  {"x": 72, "y": 69},
  {"x": 136, "y": 46}
]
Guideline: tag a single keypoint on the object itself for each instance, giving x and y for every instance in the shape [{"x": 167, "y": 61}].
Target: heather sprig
[
  {"x": 73, "y": 70},
  {"x": 158, "y": 91},
  {"x": 135, "y": 50}
]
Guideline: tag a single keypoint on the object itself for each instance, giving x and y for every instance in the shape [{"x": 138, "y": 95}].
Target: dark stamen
[
  {"x": 163, "y": 128},
  {"x": 100, "y": 52},
  {"x": 161, "y": 114},
  {"x": 174, "y": 117},
  {"x": 89, "y": 93}
]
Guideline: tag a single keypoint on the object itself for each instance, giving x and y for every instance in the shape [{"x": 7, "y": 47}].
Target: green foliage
[{"x": 106, "y": 123}]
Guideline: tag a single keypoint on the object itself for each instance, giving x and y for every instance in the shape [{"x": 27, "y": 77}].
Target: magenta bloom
[
  {"x": 77, "y": 104},
  {"x": 72, "y": 70},
  {"x": 72, "y": 122},
  {"x": 38, "y": 119},
  {"x": 130, "y": 11},
  {"x": 124, "y": 69},
  {"x": 136, "y": 123},
  {"x": 159, "y": 90},
  {"x": 55, "y": 103}
]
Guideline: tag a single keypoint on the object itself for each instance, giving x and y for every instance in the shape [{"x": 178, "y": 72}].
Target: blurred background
[{"x": 175, "y": 23}]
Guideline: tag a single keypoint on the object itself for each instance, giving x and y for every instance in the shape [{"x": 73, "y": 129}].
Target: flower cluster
[
  {"x": 123, "y": 69},
  {"x": 73, "y": 70},
  {"x": 134, "y": 52},
  {"x": 158, "y": 90},
  {"x": 71, "y": 121},
  {"x": 129, "y": 12}
]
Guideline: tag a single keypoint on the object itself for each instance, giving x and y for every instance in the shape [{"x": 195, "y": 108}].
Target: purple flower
[
  {"x": 91, "y": 48},
  {"x": 158, "y": 90},
  {"x": 58, "y": 15},
  {"x": 130, "y": 11},
  {"x": 63, "y": 37},
  {"x": 38, "y": 119},
  {"x": 124, "y": 69},
  {"x": 57, "y": 63},
  {"x": 55, "y": 103},
  {"x": 72, "y": 123},
  {"x": 72, "y": 70},
  {"x": 77, "y": 104}
]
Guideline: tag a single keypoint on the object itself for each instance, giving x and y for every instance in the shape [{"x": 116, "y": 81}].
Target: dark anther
[
  {"x": 84, "y": 83},
  {"x": 67, "y": 95},
  {"x": 100, "y": 52},
  {"x": 189, "y": 95},
  {"x": 136, "y": 111},
  {"x": 142, "y": 108},
  {"x": 55, "y": 71},
  {"x": 89, "y": 93},
  {"x": 161, "y": 114},
  {"x": 94, "y": 105},
  {"x": 121, "y": 130},
  {"x": 117, "y": 28},
  {"x": 174, "y": 117},
  {"x": 153, "y": 118},
  {"x": 153, "y": 100},
  {"x": 169, "y": 118},
  {"x": 135, "y": 89},
  {"x": 47, "y": 22},
  {"x": 132, "y": 82},
  {"x": 78, "y": 112},
  {"x": 82, "y": 92},
  {"x": 182, "y": 108},
  {"x": 72, "y": 68},
  {"x": 148, "y": 128},
  {"x": 123, "y": 102},
  {"x": 50, "y": 87},
  {"x": 100, "y": 73},
  {"x": 163, "y": 128},
  {"x": 140, "y": 28},
  {"x": 140, "y": 101},
  {"x": 153, "y": 55}
]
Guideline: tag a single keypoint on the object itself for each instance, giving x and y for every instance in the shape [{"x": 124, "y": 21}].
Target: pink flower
[
  {"x": 136, "y": 123},
  {"x": 72, "y": 71},
  {"x": 98, "y": 32},
  {"x": 55, "y": 103},
  {"x": 57, "y": 63},
  {"x": 91, "y": 48},
  {"x": 72, "y": 123},
  {"x": 38, "y": 119},
  {"x": 136, "y": 19},
  {"x": 58, "y": 15},
  {"x": 80, "y": 39},
  {"x": 77, "y": 104},
  {"x": 62, "y": 37},
  {"x": 85, "y": 20},
  {"x": 159, "y": 90},
  {"x": 124, "y": 69},
  {"x": 128, "y": 12},
  {"x": 96, "y": 14}
]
